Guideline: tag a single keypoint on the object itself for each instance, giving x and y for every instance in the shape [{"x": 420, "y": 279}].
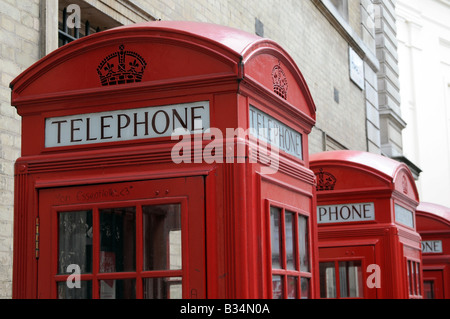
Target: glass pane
[
  {"x": 75, "y": 240},
  {"x": 277, "y": 287},
  {"x": 305, "y": 290},
  {"x": 118, "y": 239},
  {"x": 343, "y": 280},
  {"x": 118, "y": 289},
  {"x": 303, "y": 241},
  {"x": 410, "y": 287},
  {"x": 428, "y": 287},
  {"x": 350, "y": 278},
  {"x": 292, "y": 287},
  {"x": 84, "y": 292},
  {"x": 327, "y": 277},
  {"x": 162, "y": 237},
  {"x": 163, "y": 288},
  {"x": 418, "y": 279},
  {"x": 275, "y": 235},
  {"x": 413, "y": 278},
  {"x": 290, "y": 240}
]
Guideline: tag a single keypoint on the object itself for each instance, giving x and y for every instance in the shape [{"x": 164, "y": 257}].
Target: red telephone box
[
  {"x": 165, "y": 160},
  {"x": 433, "y": 224},
  {"x": 368, "y": 243}
]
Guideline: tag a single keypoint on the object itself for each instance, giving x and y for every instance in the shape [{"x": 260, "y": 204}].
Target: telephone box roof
[
  {"x": 434, "y": 211},
  {"x": 217, "y": 51},
  {"x": 372, "y": 164}
]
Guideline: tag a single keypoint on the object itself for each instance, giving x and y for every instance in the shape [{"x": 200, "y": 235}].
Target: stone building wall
[{"x": 19, "y": 48}]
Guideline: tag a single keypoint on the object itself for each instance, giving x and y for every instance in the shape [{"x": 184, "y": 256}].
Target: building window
[
  {"x": 91, "y": 20},
  {"x": 291, "y": 272},
  {"x": 342, "y": 7}
]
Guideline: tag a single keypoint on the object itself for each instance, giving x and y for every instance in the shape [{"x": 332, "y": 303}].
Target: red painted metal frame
[
  {"x": 295, "y": 197},
  {"x": 187, "y": 62},
  {"x": 284, "y": 272},
  {"x": 191, "y": 230},
  {"x": 362, "y": 177},
  {"x": 363, "y": 253},
  {"x": 433, "y": 223}
]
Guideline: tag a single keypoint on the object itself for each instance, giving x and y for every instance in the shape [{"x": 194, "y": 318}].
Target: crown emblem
[
  {"x": 405, "y": 184},
  {"x": 280, "y": 83},
  {"x": 121, "y": 67},
  {"x": 325, "y": 181}
]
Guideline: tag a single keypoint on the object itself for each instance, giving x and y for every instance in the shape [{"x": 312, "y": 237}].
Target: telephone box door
[
  {"x": 142, "y": 239},
  {"x": 343, "y": 272},
  {"x": 433, "y": 282}
]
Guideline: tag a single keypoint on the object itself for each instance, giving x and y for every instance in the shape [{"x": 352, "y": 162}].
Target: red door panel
[
  {"x": 433, "y": 281},
  {"x": 123, "y": 240}
]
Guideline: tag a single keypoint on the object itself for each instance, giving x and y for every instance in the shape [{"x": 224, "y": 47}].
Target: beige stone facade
[
  {"x": 19, "y": 40},
  {"x": 318, "y": 34}
]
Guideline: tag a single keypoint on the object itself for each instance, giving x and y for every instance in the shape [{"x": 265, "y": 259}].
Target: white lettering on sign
[
  {"x": 125, "y": 125},
  {"x": 404, "y": 216},
  {"x": 345, "y": 213},
  {"x": 432, "y": 246},
  {"x": 273, "y": 132}
]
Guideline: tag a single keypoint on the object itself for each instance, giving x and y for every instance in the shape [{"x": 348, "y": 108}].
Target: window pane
[
  {"x": 75, "y": 240},
  {"x": 162, "y": 237},
  {"x": 292, "y": 287},
  {"x": 327, "y": 280},
  {"x": 163, "y": 288},
  {"x": 85, "y": 292},
  {"x": 410, "y": 286},
  {"x": 428, "y": 287},
  {"x": 303, "y": 243},
  {"x": 275, "y": 235},
  {"x": 342, "y": 7},
  {"x": 277, "y": 287},
  {"x": 290, "y": 240},
  {"x": 305, "y": 290},
  {"x": 350, "y": 278},
  {"x": 418, "y": 279},
  {"x": 118, "y": 289},
  {"x": 413, "y": 278},
  {"x": 118, "y": 239},
  {"x": 343, "y": 280}
]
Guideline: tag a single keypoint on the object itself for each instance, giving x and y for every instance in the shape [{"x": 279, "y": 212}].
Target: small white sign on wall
[{"x": 356, "y": 65}]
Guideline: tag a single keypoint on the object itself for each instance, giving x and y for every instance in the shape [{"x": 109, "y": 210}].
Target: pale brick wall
[
  {"x": 320, "y": 52},
  {"x": 19, "y": 40},
  {"x": 369, "y": 14},
  {"x": 391, "y": 121},
  {"x": 355, "y": 15}
]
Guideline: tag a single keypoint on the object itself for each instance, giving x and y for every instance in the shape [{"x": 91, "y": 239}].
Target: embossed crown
[
  {"x": 325, "y": 181},
  {"x": 280, "y": 83},
  {"x": 121, "y": 67}
]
